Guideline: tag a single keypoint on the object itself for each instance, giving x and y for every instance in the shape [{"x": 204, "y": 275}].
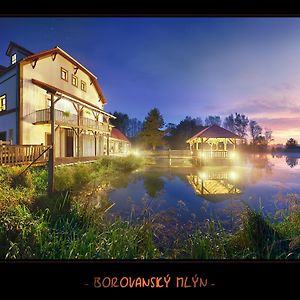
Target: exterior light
[
  {"x": 233, "y": 155},
  {"x": 202, "y": 155},
  {"x": 203, "y": 175},
  {"x": 136, "y": 152},
  {"x": 233, "y": 176}
]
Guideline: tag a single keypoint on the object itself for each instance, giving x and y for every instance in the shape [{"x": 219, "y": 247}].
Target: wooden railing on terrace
[
  {"x": 67, "y": 119},
  {"x": 210, "y": 154},
  {"x": 216, "y": 154},
  {"x": 12, "y": 155},
  {"x": 167, "y": 153}
]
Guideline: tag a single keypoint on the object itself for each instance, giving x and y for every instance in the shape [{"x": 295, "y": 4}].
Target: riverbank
[{"x": 65, "y": 226}]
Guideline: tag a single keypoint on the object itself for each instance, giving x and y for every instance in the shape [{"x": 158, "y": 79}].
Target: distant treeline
[{"x": 152, "y": 132}]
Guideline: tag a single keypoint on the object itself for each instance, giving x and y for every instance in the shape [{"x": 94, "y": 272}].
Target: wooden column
[
  {"x": 95, "y": 136},
  {"x": 107, "y": 144},
  {"x": 51, "y": 161},
  {"x": 78, "y": 129}
]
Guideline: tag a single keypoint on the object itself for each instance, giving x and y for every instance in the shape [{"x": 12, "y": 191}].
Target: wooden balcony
[{"x": 69, "y": 120}]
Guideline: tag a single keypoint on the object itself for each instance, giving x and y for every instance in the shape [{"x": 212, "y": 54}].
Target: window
[
  {"x": 75, "y": 80},
  {"x": 2, "y": 103},
  {"x": 14, "y": 58},
  {"x": 64, "y": 74},
  {"x": 2, "y": 135},
  {"x": 83, "y": 86}
]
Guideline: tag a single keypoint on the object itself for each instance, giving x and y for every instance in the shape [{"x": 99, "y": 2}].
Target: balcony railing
[{"x": 67, "y": 119}]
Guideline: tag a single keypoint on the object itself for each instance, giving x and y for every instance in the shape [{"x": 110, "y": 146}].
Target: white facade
[{"x": 82, "y": 126}]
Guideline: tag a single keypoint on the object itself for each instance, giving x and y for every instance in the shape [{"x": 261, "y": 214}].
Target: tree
[
  {"x": 255, "y": 130},
  {"x": 151, "y": 134},
  {"x": 237, "y": 123},
  {"x": 178, "y": 134},
  {"x": 291, "y": 144},
  {"x": 134, "y": 127},
  {"x": 261, "y": 142},
  {"x": 211, "y": 120},
  {"x": 268, "y": 136},
  {"x": 121, "y": 122},
  {"x": 240, "y": 125},
  {"x": 229, "y": 123},
  {"x": 198, "y": 121}
]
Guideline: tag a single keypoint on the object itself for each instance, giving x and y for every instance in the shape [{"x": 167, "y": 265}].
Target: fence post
[{"x": 51, "y": 161}]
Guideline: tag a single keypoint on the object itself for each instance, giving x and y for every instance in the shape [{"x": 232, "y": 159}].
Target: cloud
[
  {"x": 263, "y": 105},
  {"x": 281, "y": 124}
]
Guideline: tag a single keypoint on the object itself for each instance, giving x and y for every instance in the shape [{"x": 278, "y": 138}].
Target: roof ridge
[{"x": 217, "y": 133}]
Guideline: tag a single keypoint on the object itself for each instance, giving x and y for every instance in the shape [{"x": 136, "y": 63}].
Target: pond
[{"x": 183, "y": 198}]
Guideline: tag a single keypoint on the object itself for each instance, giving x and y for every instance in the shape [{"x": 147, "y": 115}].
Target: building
[
  {"x": 119, "y": 143},
  {"x": 213, "y": 142},
  {"x": 82, "y": 127}
]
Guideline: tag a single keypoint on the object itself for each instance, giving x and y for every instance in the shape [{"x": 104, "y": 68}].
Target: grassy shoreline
[{"x": 34, "y": 226}]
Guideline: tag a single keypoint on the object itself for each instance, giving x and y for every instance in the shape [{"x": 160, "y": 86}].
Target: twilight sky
[{"x": 183, "y": 66}]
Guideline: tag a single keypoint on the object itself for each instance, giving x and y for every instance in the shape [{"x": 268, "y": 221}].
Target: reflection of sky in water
[{"x": 260, "y": 180}]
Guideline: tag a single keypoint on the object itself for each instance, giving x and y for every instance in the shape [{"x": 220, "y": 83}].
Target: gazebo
[{"x": 213, "y": 142}]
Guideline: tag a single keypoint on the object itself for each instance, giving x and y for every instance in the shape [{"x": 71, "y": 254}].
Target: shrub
[{"x": 63, "y": 178}]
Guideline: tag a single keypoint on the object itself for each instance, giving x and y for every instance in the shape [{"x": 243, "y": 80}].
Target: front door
[{"x": 69, "y": 143}]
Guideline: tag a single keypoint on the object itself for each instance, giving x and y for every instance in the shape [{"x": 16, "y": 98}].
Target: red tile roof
[
  {"x": 117, "y": 134},
  {"x": 214, "y": 131}
]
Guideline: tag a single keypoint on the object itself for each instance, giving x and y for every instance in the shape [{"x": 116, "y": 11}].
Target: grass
[
  {"x": 32, "y": 225},
  {"x": 63, "y": 226}
]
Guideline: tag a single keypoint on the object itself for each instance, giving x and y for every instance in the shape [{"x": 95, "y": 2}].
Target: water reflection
[
  {"x": 216, "y": 183},
  {"x": 153, "y": 184},
  {"x": 181, "y": 198},
  {"x": 291, "y": 161}
]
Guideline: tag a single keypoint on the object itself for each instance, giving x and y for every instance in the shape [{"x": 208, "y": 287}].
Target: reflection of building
[
  {"x": 213, "y": 142},
  {"x": 215, "y": 184},
  {"x": 119, "y": 143}
]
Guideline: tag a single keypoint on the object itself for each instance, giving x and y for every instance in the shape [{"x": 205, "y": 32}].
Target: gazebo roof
[{"x": 214, "y": 131}]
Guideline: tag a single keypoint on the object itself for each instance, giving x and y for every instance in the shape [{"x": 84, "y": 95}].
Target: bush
[
  {"x": 64, "y": 178},
  {"x": 16, "y": 177}
]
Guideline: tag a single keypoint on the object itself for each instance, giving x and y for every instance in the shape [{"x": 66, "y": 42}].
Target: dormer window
[{"x": 14, "y": 58}]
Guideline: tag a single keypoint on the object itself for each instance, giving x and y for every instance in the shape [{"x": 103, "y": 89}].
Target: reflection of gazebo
[
  {"x": 213, "y": 142},
  {"x": 215, "y": 186}
]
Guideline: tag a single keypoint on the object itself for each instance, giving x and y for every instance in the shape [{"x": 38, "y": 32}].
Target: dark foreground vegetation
[{"x": 34, "y": 226}]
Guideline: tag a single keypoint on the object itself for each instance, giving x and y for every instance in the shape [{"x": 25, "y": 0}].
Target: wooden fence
[
  {"x": 168, "y": 153},
  {"x": 11, "y": 155},
  {"x": 216, "y": 154}
]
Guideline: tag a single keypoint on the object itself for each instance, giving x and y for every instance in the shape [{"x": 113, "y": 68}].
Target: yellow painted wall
[{"x": 35, "y": 98}]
